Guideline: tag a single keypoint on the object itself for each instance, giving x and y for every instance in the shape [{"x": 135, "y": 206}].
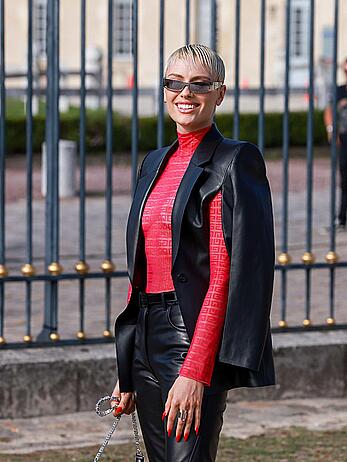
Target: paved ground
[
  {"x": 241, "y": 420},
  {"x": 95, "y": 232}
]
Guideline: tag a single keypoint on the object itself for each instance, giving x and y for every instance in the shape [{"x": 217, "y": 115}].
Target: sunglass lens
[
  {"x": 174, "y": 85},
  {"x": 200, "y": 87}
]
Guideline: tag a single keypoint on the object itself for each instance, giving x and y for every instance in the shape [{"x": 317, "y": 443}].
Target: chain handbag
[{"x": 139, "y": 457}]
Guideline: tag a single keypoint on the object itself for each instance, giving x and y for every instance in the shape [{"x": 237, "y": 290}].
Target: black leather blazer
[{"x": 237, "y": 169}]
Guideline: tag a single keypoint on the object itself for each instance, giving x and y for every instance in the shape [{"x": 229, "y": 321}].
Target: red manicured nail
[
  {"x": 169, "y": 432},
  {"x": 178, "y": 437},
  {"x": 163, "y": 416},
  {"x": 119, "y": 409},
  {"x": 186, "y": 437},
  {"x": 197, "y": 431}
]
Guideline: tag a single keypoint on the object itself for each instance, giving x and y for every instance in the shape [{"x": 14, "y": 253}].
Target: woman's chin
[{"x": 191, "y": 125}]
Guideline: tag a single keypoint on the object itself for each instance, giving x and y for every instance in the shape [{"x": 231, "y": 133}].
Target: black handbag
[{"x": 139, "y": 457}]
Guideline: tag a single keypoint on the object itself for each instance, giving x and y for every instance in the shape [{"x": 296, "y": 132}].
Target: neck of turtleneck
[{"x": 188, "y": 142}]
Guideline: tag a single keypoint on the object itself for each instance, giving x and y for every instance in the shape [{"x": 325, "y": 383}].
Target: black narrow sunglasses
[{"x": 193, "y": 87}]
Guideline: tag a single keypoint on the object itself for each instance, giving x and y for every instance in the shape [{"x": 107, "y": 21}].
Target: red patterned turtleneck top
[{"x": 156, "y": 225}]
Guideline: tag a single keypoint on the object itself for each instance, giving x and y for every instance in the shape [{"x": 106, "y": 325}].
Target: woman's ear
[{"x": 221, "y": 95}]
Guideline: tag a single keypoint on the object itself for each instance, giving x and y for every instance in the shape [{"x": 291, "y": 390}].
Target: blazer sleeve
[
  {"x": 247, "y": 218},
  {"x": 138, "y": 174}
]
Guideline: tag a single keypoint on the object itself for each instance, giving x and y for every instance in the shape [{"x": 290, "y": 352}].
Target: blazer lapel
[
  {"x": 143, "y": 188},
  {"x": 201, "y": 157}
]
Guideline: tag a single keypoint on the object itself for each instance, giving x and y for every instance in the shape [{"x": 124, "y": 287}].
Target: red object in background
[{"x": 131, "y": 81}]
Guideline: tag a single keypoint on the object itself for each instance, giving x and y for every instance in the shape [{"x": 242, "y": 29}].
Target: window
[
  {"x": 300, "y": 29},
  {"x": 122, "y": 23},
  {"x": 39, "y": 27}
]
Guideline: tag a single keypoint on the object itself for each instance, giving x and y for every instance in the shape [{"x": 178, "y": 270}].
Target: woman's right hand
[{"x": 126, "y": 404}]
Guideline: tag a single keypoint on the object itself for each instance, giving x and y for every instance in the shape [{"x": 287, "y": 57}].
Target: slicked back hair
[{"x": 199, "y": 54}]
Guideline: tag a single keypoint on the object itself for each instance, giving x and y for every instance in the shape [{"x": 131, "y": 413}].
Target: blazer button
[{"x": 182, "y": 277}]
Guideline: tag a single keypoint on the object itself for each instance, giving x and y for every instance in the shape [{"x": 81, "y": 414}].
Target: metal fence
[{"x": 54, "y": 274}]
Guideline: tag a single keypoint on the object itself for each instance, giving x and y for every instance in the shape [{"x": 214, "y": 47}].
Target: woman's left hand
[{"x": 185, "y": 394}]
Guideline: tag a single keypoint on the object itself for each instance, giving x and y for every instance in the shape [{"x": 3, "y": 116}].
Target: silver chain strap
[{"x": 139, "y": 456}]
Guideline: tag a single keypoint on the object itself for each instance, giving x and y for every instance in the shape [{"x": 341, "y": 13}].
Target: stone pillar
[{"x": 67, "y": 169}]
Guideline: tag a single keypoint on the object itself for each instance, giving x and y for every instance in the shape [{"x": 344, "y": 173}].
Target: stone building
[{"x": 16, "y": 38}]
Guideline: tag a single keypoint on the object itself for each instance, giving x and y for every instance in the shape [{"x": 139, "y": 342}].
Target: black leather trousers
[{"x": 161, "y": 345}]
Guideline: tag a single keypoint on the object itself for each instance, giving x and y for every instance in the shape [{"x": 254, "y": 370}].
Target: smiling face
[{"x": 191, "y": 111}]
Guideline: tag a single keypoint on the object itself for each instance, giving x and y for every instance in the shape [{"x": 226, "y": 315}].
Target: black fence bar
[
  {"x": 55, "y": 155},
  {"x": 308, "y": 256},
  {"x": 236, "y": 129},
  {"x": 113, "y": 274},
  {"x": 213, "y": 25},
  {"x": 284, "y": 257},
  {"x": 53, "y": 275},
  {"x": 160, "y": 130},
  {"x": 82, "y": 266},
  {"x": 3, "y": 271},
  {"x": 135, "y": 97},
  {"x": 82, "y": 137},
  {"x": 28, "y": 268},
  {"x": 151, "y": 92},
  {"x": 107, "y": 264},
  {"x": 187, "y": 22},
  {"x": 52, "y": 162},
  {"x": 332, "y": 255},
  {"x": 261, "y": 118}
]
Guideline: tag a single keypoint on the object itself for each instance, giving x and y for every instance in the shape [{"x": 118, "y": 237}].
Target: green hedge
[{"x": 96, "y": 129}]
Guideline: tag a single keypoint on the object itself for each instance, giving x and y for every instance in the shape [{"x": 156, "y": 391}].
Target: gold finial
[
  {"x": 308, "y": 258},
  {"x": 3, "y": 271},
  {"x": 330, "y": 321},
  {"x": 331, "y": 257},
  {"x": 82, "y": 267},
  {"x": 2, "y": 340},
  {"x": 81, "y": 335},
  {"x": 28, "y": 270},
  {"x": 27, "y": 339},
  {"x": 284, "y": 258},
  {"x": 307, "y": 322},
  {"x": 55, "y": 268},
  {"x": 107, "y": 333},
  {"x": 54, "y": 336},
  {"x": 283, "y": 323},
  {"x": 107, "y": 266}
]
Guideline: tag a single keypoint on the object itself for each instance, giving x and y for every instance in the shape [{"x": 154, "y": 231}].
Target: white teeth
[{"x": 185, "y": 106}]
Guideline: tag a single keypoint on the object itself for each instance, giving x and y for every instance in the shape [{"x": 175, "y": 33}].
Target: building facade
[{"x": 174, "y": 32}]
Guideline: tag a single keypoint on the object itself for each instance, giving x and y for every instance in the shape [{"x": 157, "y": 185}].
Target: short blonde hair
[{"x": 199, "y": 54}]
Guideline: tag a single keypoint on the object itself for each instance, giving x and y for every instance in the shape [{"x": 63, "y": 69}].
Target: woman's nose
[{"x": 186, "y": 91}]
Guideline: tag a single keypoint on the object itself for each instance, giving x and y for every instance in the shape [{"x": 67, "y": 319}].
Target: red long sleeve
[
  {"x": 199, "y": 362},
  {"x": 156, "y": 225}
]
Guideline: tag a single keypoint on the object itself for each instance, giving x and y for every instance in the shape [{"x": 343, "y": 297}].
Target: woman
[{"x": 200, "y": 253}]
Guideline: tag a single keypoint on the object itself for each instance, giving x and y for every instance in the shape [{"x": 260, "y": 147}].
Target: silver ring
[{"x": 182, "y": 414}]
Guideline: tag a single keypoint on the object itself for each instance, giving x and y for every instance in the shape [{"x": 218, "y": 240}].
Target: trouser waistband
[{"x": 159, "y": 297}]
